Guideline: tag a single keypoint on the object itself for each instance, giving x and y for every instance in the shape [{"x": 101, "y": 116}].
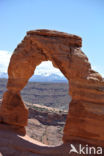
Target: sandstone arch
[{"x": 85, "y": 118}]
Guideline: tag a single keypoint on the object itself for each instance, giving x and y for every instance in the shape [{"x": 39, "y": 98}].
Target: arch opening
[
  {"x": 46, "y": 73},
  {"x": 47, "y": 98}
]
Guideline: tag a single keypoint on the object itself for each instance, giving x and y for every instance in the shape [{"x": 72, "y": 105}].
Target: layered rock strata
[{"x": 86, "y": 115}]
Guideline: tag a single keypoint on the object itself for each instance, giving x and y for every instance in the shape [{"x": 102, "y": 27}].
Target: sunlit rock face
[{"x": 85, "y": 117}]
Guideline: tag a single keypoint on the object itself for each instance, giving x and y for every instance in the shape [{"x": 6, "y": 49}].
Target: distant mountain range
[
  {"x": 3, "y": 75},
  {"x": 42, "y": 77}
]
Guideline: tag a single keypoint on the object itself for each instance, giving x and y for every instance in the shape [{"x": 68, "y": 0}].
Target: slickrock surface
[
  {"x": 85, "y": 117},
  {"x": 12, "y": 144}
]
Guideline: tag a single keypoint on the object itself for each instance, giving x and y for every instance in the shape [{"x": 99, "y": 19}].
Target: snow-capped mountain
[
  {"x": 41, "y": 77},
  {"x": 48, "y": 78}
]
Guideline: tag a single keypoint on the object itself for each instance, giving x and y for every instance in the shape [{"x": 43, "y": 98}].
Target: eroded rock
[{"x": 86, "y": 115}]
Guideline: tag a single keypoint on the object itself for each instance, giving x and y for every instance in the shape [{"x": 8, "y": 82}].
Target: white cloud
[
  {"x": 46, "y": 68},
  {"x": 4, "y": 60}
]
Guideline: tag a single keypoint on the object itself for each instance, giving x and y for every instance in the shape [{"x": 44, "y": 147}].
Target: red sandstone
[{"x": 85, "y": 117}]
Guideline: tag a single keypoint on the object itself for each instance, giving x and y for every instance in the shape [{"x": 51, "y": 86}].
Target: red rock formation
[{"x": 86, "y": 115}]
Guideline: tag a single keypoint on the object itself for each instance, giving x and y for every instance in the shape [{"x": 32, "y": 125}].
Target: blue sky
[{"x": 81, "y": 17}]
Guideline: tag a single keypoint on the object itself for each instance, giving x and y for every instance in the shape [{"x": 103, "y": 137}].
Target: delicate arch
[{"x": 65, "y": 53}]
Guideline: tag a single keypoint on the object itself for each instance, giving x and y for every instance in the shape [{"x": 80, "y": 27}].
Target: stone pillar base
[{"x": 13, "y": 111}]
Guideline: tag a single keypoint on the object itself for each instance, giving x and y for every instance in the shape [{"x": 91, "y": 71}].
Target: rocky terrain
[
  {"x": 46, "y": 124},
  {"x": 53, "y": 95}
]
